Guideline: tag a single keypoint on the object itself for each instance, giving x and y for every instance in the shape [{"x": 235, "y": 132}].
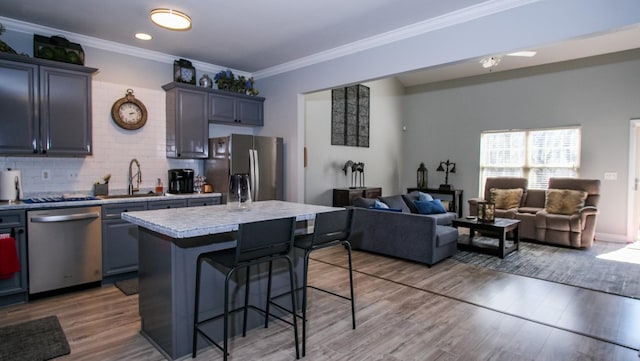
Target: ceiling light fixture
[
  {"x": 143, "y": 36},
  {"x": 171, "y": 19},
  {"x": 490, "y": 62}
]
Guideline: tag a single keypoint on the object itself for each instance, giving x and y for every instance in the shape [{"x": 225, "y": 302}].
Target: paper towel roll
[{"x": 10, "y": 185}]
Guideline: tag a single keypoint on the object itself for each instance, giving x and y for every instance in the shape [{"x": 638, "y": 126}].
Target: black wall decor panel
[{"x": 350, "y": 116}]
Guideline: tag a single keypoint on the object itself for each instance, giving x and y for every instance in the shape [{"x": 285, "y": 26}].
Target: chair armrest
[
  {"x": 588, "y": 210},
  {"x": 473, "y": 205}
]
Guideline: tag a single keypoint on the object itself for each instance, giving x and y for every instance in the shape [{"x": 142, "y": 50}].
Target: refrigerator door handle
[{"x": 256, "y": 176}]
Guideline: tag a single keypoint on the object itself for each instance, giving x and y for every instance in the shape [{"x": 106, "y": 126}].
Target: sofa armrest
[
  {"x": 473, "y": 205},
  {"x": 404, "y": 235},
  {"x": 586, "y": 213}
]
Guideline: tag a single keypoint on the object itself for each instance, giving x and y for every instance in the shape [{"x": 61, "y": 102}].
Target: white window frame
[{"x": 521, "y": 163}]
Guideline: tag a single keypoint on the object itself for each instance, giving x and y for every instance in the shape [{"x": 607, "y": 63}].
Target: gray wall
[
  {"x": 531, "y": 25},
  {"x": 600, "y": 94},
  {"x": 383, "y": 157}
]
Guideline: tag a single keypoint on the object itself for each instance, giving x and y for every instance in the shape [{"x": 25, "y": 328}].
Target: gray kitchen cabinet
[
  {"x": 175, "y": 203},
  {"x": 227, "y": 107},
  {"x": 15, "y": 289},
  {"x": 119, "y": 239},
  {"x": 187, "y": 126},
  {"x": 45, "y": 107},
  {"x": 200, "y": 202}
]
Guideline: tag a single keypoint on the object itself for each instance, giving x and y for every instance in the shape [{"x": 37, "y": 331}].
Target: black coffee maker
[{"x": 180, "y": 181}]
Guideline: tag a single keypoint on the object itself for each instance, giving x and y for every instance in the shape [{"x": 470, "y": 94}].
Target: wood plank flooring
[{"x": 404, "y": 311}]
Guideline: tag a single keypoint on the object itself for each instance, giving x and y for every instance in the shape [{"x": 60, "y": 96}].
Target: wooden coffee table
[{"x": 499, "y": 227}]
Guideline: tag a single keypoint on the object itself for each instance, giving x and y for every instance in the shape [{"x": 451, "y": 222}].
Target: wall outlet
[
  {"x": 610, "y": 176},
  {"x": 45, "y": 175},
  {"x": 72, "y": 175}
]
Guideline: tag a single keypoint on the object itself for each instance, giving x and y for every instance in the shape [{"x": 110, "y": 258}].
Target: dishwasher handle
[{"x": 65, "y": 218}]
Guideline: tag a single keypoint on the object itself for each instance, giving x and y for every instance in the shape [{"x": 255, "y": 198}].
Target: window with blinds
[{"x": 535, "y": 154}]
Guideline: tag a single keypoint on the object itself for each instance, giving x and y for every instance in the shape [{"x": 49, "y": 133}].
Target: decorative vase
[
  {"x": 239, "y": 197},
  {"x": 206, "y": 82}
]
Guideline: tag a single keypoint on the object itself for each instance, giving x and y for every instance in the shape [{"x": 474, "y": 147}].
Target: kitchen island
[{"x": 170, "y": 241}]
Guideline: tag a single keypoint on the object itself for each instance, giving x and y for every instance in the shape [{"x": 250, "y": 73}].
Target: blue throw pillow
[
  {"x": 389, "y": 209},
  {"x": 430, "y": 207},
  {"x": 380, "y": 205},
  {"x": 424, "y": 196}
]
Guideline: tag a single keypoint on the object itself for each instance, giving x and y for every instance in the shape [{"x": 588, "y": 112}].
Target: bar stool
[
  {"x": 258, "y": 242},
  {"x": 330, "y": 229}
]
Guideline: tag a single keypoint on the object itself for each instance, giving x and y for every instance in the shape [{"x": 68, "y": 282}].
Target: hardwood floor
[{"x": 404, "y": 311}]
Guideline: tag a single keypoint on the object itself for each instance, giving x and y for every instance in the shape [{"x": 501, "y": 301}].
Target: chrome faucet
[{"x": 137, "y": 176}]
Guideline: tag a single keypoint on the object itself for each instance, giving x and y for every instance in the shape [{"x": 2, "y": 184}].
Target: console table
[
  {"x": 343, "y": 197},
  {"x": 453, "y": 195}
]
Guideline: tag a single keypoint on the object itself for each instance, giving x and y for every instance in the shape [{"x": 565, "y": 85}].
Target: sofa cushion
[
  {"x": 395, "y": 202},
  {"x": 430, "y": 207},
  {"x": 424, "y": 196},
  {"x": 363, "y": 202},
  {"x": 564, "y": 201},
  {"x": 409, "y": 200},
  {"x": 506, "y": 198},
  {"x": 380, "y": 205},
  {"x": 383, "y": 207}
]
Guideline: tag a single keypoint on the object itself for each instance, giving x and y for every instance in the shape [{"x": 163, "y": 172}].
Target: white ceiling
[{"x": 252, "y": 35}]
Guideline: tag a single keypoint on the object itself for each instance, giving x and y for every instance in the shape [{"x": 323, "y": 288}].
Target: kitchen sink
[{"x": 139, "y": 195}]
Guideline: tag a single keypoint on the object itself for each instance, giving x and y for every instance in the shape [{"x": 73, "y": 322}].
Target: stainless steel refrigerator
[{"x": 260, "y": 157}]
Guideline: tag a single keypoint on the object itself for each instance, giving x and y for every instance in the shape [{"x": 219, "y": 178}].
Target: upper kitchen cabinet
[
  {"x": 45, "y": 107},
  {"x": 187, "y": 127},
  {"x": 226, "y": 107}
]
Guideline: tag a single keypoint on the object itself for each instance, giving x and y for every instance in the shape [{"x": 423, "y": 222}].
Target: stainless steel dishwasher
[{"x": 65, "y": 247}]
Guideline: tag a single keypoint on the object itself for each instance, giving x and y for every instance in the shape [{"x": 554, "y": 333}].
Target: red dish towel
[{"x": 9, "y": 262}]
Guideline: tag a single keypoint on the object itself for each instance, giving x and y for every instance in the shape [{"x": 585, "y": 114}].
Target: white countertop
[
  {"x": 7, "y": 206},
  {"x": 200, "y": 221}
]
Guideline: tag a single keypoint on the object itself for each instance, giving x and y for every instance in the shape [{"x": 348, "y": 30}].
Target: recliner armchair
[
  {"x": 576, "y": 229},
  {"x": 501, "y": 183}
]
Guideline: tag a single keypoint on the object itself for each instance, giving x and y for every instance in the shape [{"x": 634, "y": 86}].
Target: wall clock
[{"x": 129, "y": 112}]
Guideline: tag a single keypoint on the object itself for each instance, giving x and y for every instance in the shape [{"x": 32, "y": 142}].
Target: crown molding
[
  {"x": 29, "y": 28},
  {"x": 450, "y": 19}
]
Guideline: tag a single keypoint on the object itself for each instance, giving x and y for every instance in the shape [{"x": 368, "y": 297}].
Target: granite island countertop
[{"x": 201, "y": 221}]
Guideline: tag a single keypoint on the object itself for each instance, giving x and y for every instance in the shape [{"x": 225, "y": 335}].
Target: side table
[
  {"x": 500, "y": 227},
  {"x": 343, "y": 197}
]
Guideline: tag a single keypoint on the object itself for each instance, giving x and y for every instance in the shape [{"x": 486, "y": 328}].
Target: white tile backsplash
[{"x": 113, "y": 149}]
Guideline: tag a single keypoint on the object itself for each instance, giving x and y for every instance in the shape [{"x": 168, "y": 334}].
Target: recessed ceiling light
[
  {"x": 490, "y": 62},
  {"x": 143, "y": 36},
  {"x": 171, "y": 19},
  {"x": 525, "y": 53}
]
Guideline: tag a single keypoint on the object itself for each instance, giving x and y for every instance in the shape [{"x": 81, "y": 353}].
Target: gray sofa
[{"x": 422, "y": 238}]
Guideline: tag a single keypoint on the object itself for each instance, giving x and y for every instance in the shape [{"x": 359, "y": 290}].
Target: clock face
[
  {"x": 186, "y": 74},
  {"x": 130, "y": 113}
]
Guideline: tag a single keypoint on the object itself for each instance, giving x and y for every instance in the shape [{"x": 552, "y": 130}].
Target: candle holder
[
  {"x": 422, "y": 176},
  {"x": 486, "y": 212}
]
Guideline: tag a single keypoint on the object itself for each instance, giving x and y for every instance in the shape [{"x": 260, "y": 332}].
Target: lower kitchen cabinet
[
  {"x": 15, "y": 289},
  {"x": 176, "y": 203},
  {"x": 199, "y": 202},
  {"x": 119, "y": 239}
]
